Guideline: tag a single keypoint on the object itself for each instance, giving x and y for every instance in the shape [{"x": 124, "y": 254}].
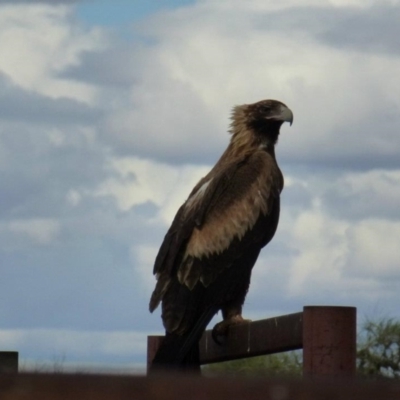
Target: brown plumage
[{"x": 205, "y": 261}]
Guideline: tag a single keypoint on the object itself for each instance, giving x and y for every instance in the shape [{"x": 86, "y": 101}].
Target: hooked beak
[{"x": 284, "y": 114}]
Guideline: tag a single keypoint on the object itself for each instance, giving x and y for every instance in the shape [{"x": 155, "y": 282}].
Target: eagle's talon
[
  {"x": 220, "y": 331},
  {"x": 218, "y": 337}
]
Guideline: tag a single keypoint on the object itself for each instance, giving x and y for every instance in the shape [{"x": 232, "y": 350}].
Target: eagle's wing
[{"x": 224, "y": 206}]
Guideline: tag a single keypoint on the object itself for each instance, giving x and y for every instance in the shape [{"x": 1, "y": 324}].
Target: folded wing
[{"x": 206, "y": 234}]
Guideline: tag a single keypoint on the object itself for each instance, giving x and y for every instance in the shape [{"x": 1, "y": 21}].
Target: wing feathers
[
  {"x": 222, "y": 207},
  {"x": 236, "y": 209},
  {"x": 187, "y": 274}
]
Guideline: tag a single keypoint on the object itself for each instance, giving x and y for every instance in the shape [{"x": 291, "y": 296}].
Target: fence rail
[
  {"x": 327, "y": 335},
  {"x": 267, "y": 336}
]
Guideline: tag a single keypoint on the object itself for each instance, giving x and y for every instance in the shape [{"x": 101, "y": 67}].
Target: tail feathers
[
  {"x": 173, "y": 355},
  {"x": 181, "y": 352}
]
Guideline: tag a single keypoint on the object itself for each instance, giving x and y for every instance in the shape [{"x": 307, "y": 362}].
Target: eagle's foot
[{"x": 220, "y": 330}]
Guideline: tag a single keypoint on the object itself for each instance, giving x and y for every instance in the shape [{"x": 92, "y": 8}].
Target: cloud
[
  {"x": 41, "y": 231},
  {"x": 363, "y": 195},
  {"x": 360, "y": 28},
  {"x": 321, "y": 250},
  {"x": 117, "y": 66},
  {"x": 138, "y": 181},
  {"x": 17, "y": 103},
  {"x": 374, "y": 249},
  {"x": 350, "y": 25},
  {"x": 182, "y": 78},
  {"x": 39, "y": 42}
]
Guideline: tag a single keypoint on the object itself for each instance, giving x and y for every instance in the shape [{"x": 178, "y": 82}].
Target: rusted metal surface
[
  {"x": 267, "y": 336},
  {"x": 329, "y": 341},
  {"x": 8, "y": 361},
  {"x": 73, "y": 387}
]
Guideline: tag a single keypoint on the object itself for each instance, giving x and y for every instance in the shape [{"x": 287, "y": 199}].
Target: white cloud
[
  {"x": 138, "y": 181},
  {"x": 143, "y": 258},
  {"x": 268, "y": 5},
  {"x": 37, "y": 41},
  {"x": 322, "y": 251},
  {"x": 375, "y": 249},
  {"x": 362, "y": 3},
  {"x": 73, "y": 197},
  {"x": 385, "y": 185},
  {"x": 56, "y": 137},
  {"x": 40, "y": 230},
  {"x": 201, "y": 64},
  {"x": 347, "y": 259},
  {"x": 371, "y": 194}
]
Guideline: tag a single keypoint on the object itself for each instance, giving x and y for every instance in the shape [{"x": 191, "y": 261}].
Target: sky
[{"x": 109, "y": 114}]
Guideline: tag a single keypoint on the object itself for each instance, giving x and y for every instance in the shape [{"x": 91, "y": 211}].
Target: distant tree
[{"x": 378, "y": 354}]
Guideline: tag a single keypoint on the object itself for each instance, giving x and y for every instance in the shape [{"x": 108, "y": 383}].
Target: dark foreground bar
[{"x": 72, "y": 387}]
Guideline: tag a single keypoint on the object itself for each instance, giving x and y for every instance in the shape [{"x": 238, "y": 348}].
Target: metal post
[
  {"x": 9, "y": 361},
  {"x": 329, "y": 341}
]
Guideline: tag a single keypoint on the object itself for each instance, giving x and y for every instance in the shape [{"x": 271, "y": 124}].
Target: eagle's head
[
  {"x": 267, "y": 114},
  {"x": 262, "y": 119}
]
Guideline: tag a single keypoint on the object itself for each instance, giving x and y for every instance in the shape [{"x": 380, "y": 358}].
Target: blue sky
[{"x": 102, "y": 139}]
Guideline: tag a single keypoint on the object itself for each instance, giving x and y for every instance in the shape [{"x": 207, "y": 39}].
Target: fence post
[
  {"x": 329, "y": 341},
  {"x": 9, "y": 361}
]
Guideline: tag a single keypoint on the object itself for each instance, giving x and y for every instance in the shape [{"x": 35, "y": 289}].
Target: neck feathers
[{"x": 245, "y": 137}]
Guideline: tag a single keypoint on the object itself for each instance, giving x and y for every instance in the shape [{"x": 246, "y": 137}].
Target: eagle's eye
[{"x": 265, "y": 108}]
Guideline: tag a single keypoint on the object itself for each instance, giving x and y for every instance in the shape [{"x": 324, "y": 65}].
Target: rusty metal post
[
  {"x": 329, "y": 341},
  {"x": 9, "y": 361},
  {"x": 153, "y": 344}
]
